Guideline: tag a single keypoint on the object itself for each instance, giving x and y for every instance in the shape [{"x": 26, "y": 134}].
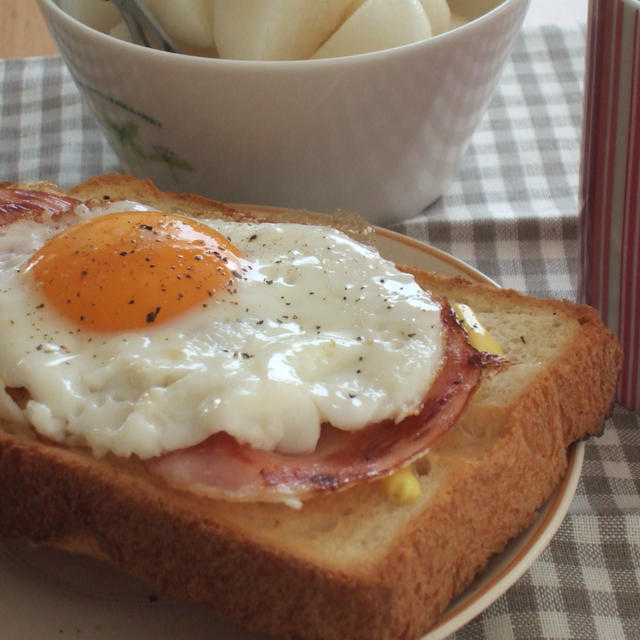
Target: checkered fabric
[{"x": 512, "y": 213}]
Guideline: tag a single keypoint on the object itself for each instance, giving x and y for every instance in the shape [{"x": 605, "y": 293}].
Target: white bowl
[{"x": 379, "y": 133}]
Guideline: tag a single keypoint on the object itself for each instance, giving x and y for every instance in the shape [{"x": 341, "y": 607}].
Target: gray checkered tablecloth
[{"x": 512, "y": 213}]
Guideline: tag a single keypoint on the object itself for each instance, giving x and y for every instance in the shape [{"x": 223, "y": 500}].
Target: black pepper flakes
[{"x": 152, "y": 315}]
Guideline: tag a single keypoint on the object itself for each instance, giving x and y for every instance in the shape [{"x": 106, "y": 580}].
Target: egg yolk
[{"x": 126, "y": 271}]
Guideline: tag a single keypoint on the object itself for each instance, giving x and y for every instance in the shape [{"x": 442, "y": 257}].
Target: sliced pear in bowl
[
  {"x": 378, "y": 24},
  {"x": 97, "y": 14},
  {"x": 439, "y": 15},
  {"x": 274, "y": 29}
]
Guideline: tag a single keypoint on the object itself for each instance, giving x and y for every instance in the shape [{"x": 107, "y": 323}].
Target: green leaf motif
[
  {"x": 125, "y": 135},
  {"x": 171, "y": 159}
]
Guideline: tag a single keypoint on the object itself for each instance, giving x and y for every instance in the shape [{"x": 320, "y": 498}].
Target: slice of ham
[
  {"x": 221, "y": 467},
  {"x": 27, "y": 203}
]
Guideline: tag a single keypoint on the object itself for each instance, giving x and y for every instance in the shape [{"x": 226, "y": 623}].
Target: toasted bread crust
[{"x": 252, "y": 564}]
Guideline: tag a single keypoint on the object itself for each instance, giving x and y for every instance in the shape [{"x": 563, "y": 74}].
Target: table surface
[{"x": 512, "y": 213}]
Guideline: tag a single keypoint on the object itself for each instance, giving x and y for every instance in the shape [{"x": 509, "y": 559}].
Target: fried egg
[{"x": 140, "y": 332}]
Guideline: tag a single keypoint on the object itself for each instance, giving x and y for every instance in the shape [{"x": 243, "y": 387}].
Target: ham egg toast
[{"x": 209, "y": 398}]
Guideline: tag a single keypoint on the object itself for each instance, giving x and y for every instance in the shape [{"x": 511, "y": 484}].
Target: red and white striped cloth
[{"x": 610, "y": 179}]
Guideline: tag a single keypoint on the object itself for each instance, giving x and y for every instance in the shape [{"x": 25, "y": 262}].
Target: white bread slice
[{"x": 348, "y": 565}]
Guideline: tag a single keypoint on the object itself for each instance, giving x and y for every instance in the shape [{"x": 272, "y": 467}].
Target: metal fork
[{"x": 143, "y": 26}]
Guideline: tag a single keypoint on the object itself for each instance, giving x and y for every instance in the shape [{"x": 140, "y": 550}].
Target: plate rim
[
  {"x": 473, "y": 273},
  {"x": 535, "y": 539}
]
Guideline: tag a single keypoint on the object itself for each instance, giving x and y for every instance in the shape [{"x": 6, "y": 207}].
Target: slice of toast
[{"x": 352, "y": 564}]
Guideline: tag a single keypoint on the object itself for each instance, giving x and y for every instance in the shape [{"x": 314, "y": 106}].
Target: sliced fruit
[{"x": 378, "y": 24}]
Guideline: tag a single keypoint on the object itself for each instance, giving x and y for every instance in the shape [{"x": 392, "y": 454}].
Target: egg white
[{"x": 319, "y": 329}]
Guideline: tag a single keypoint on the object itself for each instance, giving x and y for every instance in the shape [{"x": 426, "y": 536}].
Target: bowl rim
[{"x": 372, "y": 57}]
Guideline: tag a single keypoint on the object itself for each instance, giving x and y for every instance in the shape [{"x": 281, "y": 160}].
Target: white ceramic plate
[{"x": 48, "y": 594}]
